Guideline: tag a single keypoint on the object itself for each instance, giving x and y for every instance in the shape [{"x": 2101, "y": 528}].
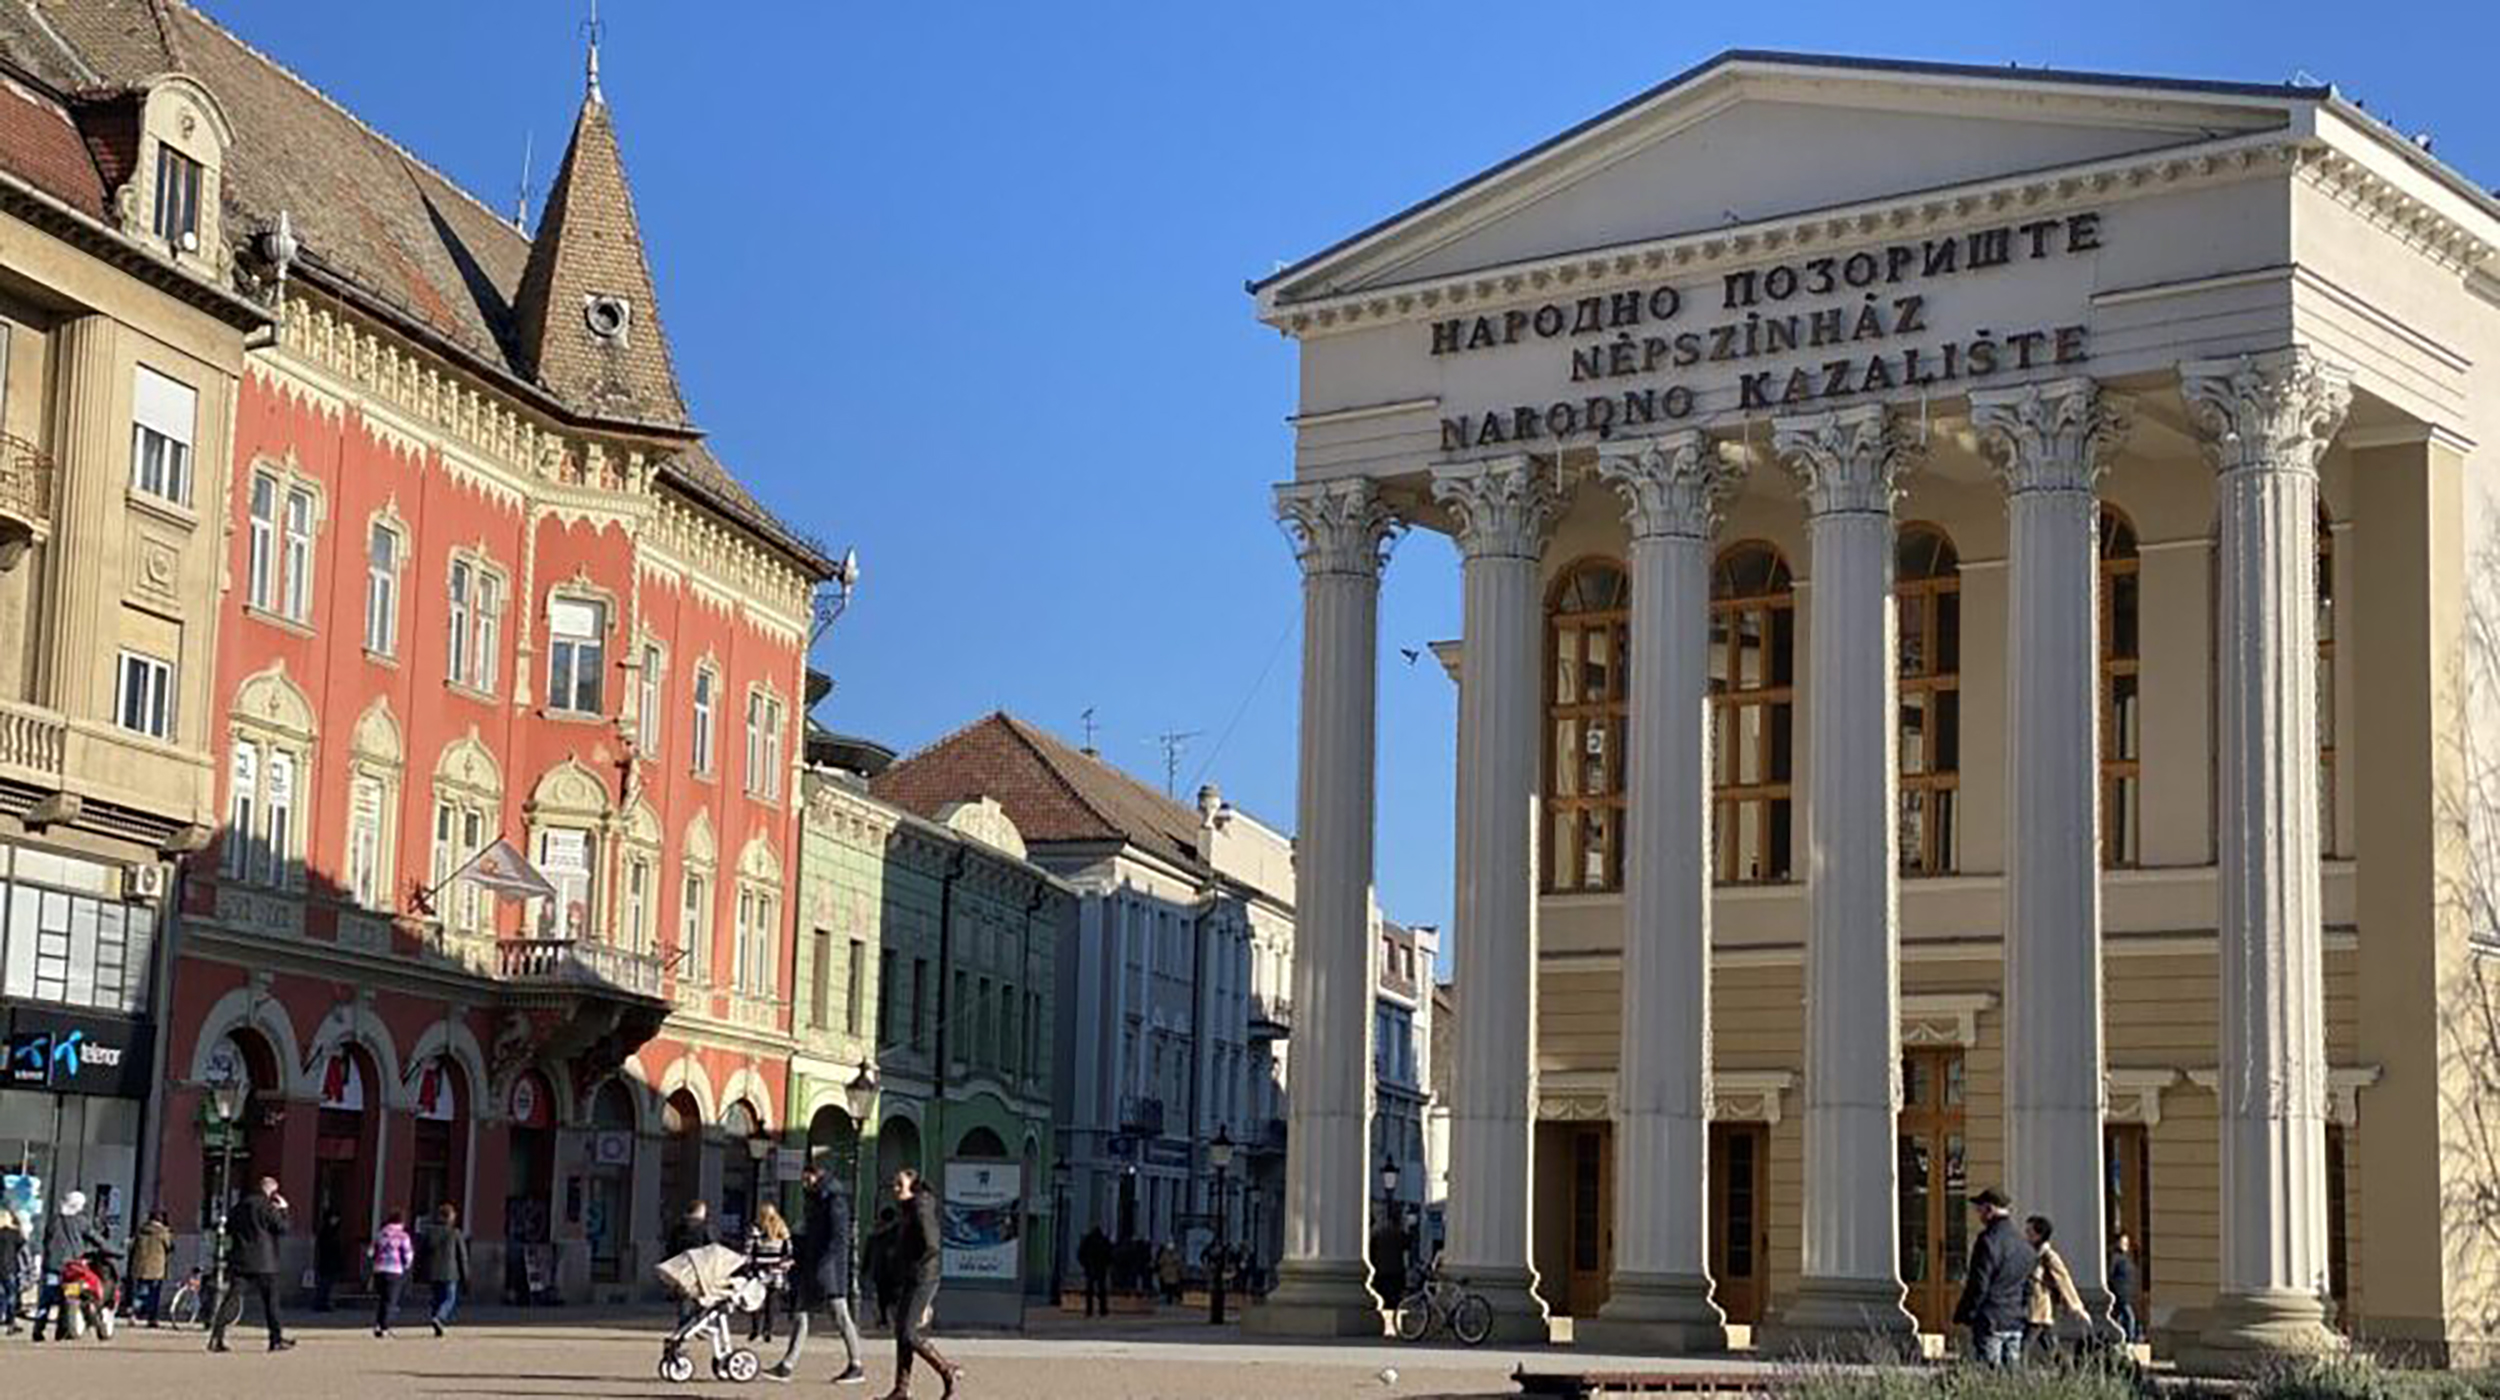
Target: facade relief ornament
[
  {"x": 1849, "y": 461},
  {"x": 1676, "y": 485},
  {"x": 2049, "y": 437},
  {"x": 2272, "y": 412},
  {"x": 1338, "y": 527},
  {"x": 1505, "y": 507}
]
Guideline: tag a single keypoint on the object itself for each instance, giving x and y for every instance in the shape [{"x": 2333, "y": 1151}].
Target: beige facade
[{"x": 2251, "y": 332}]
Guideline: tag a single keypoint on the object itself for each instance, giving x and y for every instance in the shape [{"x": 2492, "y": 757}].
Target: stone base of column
[
  {"x": 2243, "y": 1333},
  {"x": 1318, "y": 1298},
  {"x": 1518, "y": 1314},
  {"x": 1843, "y": 1319},
  {"x": 1657, "y": 1313}
]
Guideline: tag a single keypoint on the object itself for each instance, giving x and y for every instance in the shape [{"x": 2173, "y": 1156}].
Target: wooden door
[
  {"x": 1740, "y": 1225},
  {"x": 1934, "y": 1184},
  {"x": 2126, "y": 1151},
  {"x": 1592, "y": 1241}
]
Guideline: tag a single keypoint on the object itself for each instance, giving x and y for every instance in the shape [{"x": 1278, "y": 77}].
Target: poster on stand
[{"x": 983, "y": 1213}]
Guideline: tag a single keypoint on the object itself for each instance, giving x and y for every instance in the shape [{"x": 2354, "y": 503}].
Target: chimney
[{"x": 1210, "y": 801}]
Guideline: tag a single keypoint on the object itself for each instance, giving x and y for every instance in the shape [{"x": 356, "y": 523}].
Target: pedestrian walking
[
  {"x": 253, "y": 1229},
  {"x": 2051, "y": 1291},
  {"x": 877, "y": 1261},
  {"x": 443, "y": 1256},
  {"x": 1996, "y": 1286},
  {"x": 918, "y": 1248},
  {"x": 151, "y": 1257},
  {"x": 1388, "y": 1249},
  {"x": 12, "y": 1262},
  {"x": 329, "y": 1258},
  {"x": 2123, "y": 1286},
  {"x": 393, "y": 1251},
  {"x": 69, "y": 1234},
  {"x": 768, "y": 1244},
  {"x": 824, "y": 1275},
  {"x": 1168, "y": 1271},
  {"x": 1093, "y": 1255}
]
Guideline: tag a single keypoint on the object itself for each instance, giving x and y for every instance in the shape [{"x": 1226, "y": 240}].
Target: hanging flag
[{"x": 502, "y": 870}]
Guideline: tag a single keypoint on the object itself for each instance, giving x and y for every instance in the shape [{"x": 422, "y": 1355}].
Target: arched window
[
  {"x": 1753, "y": 705},
  {"x": 2122, "y": 751},
  {"x": 1588, "y": 626},
  {"x": 2326, "y": 681},
  {"x": 1927, "y": 610}
]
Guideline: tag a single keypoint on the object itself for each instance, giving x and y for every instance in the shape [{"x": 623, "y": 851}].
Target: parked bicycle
[
  {"x": 1438, "y": 1302},
  {"x": 182, "y": 1307}
]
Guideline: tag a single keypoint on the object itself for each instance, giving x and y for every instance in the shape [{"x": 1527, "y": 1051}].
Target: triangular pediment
[{"x": 1750, "y": 137}]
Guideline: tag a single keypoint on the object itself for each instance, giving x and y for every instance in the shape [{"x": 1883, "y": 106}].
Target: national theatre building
[{"x": 1970, "y": 579}]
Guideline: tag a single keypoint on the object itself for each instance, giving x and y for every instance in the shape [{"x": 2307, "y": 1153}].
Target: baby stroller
[{"x": 719, "y": 1283}]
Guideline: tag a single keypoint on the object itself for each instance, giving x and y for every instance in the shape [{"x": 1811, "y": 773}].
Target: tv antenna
[
  {"x": 1088, "y": 719},
  {"x": 521, "y": 206},
  {"x": 1174, "y": 743}
]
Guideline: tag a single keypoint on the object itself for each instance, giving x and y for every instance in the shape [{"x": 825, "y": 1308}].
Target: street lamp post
[
  {"x": 860, "y": 1094},
  {"x": 1058, "y": 1227},
  {"x": 1220, "y": 1157},
  {"x": 226, "y": 1097},
  {"x": 1389, "y": 1207}
]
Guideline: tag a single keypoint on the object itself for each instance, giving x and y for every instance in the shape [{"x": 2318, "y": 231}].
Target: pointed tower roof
[{"x": 586, "y": 320}]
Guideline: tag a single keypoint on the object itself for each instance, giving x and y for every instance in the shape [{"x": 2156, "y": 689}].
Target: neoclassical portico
[{"x": 1927, "y": 658}]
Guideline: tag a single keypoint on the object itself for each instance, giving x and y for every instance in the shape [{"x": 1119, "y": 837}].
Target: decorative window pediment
[{"x": 569, "y": 790}]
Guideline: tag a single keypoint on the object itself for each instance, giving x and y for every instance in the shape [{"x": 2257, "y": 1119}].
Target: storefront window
[{"x": 65, "y": 941}]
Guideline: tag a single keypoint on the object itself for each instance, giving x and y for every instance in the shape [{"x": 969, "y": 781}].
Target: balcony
[
  {"x": 573, "y": 962},
  {"x": 576, "y": 999},
  {"x": 1141, "y": 1116},
  {"x": 25, "y": 498},
  {"x": 1271, "y": 1018},
  {"x": 33, "y": 743}
]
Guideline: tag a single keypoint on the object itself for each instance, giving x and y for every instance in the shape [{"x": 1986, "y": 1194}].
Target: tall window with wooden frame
[
  {"x": 1753, "y": 707},
  {"x": 2122, "y": 721},
  {"x": 1927, "y": 608},
  {"x": 1586, "y": 706},
  {"x": 2326, "y": 682}
]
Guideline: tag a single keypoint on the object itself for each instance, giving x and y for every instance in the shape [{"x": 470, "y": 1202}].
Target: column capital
[
  {"x": 1675, "y": 485},
  {"x": 1505, "y": 506},
  {"x": 2271, "y": 412},
  {"x": 2049, "y": 437},
  {"x": 1338, "y": 527},
  {"x": 1849, "y": 461}
]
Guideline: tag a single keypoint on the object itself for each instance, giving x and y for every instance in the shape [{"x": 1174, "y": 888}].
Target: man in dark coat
[
  {"x": 823, "y": 1278},
  {"x": 1996, "y": 1289},
  {"x": 919, "y": 1253},
  {"x": 253, "y": 1229},
  {"x": 1093, "y": 1255},
  {"x": 443, "y": 1262}
]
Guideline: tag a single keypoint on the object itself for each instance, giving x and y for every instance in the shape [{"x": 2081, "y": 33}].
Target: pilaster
[
  {"x": 1659, "y": 1296},
  {"x": 1341, "y": 532},
  {"x": 2266, "y": 420},
  {"x": 93, "y": 457},
  {"x": 1850, "y": 467},
  {"x": 2049, "y": 443},
  {"x": 1504, "y": 510}
]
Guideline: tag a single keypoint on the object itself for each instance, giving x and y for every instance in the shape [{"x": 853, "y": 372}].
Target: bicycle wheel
[
  {"x": 1415, "y": 1317},
  {"x": 185, "y": 1309},
  {"x": 1472, "y": 1319}
]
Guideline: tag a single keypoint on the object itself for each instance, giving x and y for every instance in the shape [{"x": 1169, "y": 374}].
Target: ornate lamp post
[
  {"x": 1220, "y": 1157},
  {"x": 860, "y": 1095},
  {"x": 1389, "y": 1204},
  {"x": 227, "y": 1095}
]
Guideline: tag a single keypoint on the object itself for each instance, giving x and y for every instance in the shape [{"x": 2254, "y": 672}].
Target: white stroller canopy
[{"x": 706, "y": 1275}]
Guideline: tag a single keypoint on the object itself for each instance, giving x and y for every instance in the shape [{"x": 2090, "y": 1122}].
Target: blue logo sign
[{"x": 30, "y": 1058}]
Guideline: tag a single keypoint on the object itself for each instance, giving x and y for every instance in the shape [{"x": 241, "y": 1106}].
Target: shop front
[{"x": 72, "y": 1105}]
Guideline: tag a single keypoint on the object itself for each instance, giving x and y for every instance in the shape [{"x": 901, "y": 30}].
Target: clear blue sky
[{"x": 961, "y": 285}]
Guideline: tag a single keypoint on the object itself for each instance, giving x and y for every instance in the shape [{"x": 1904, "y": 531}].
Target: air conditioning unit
[{"x": 143, "y": 882}]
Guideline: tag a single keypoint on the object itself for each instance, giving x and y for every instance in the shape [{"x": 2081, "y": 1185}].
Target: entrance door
[
  {"x": 1740, "y": 1228},
  {"x": 2126, "y": 1151},
  {"x": 1935, "y": 1182},
  {"x": 1592, "y": 1220}
]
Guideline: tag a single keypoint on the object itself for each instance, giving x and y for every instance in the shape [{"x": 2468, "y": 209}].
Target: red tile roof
[
  {"x": 1053, "y": 793},
  {"x": 41, "y": 145}
]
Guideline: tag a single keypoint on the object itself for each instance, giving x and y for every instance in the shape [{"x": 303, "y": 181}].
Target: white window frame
[
  {"x": 299, "y": 522},
  {"x": 553, "y": 920},
  {"x": 368, "y": 801},
  {"x": 764, "y": 726},
  {"x": 461, "y": 829},
  {"x": 147, "y": 682},
  {"x": 694, "y": 926},
  {"x": 382, "y": 588},
  {"x": 164, "y": 420},
  {"x": 647, "y": 699},
  {"x": 567, "y": 653},
  {"x": 242, "y": 807},
  {"x": 487, "y": 665},
  {"x": 261, "y": 556},
  {"x": 706, "y": 695},
  {"x": 281, "y": 797},
  {"x": 635, "y": 925}
]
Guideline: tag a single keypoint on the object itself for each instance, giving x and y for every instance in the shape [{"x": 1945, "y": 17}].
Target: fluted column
[
  {"x": 1503, "y": 509},
  {"x": 1341, "y": 531},
  {"x": 2049, "y": 443},
  {"x": 1850, "y": 465},
  {"x": 1659, "y": 1297},
  {"x": 2266, "y": 420}
]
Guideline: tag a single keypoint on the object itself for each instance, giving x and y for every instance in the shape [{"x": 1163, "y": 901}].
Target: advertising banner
[{"x": 984, "y": 1219}]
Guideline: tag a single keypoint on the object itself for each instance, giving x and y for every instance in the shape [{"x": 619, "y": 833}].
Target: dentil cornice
[
  {"x": 2049, "y": 437},
  {"x": 1676, "y": 485},
  {"x": 1853, "y": 460},
  {"x": 2276, "y": 411},
  {"x": 1338, "y": 527},
  {"x": 1505, "y": 506}
]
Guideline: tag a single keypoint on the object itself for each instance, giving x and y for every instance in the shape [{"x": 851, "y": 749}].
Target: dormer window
[{"x": 177, "y": 198}]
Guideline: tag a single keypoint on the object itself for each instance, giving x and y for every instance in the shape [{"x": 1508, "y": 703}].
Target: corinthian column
[
  {"x": 1503, "y": 510},
  {"x": 1849, "y": 466},
  {"x": 1659, "y": 1297},
  {"x": 1341, "y": 532},
  {"x": 2049, "y": 443},
  {"x": 2266, "y": 420}
]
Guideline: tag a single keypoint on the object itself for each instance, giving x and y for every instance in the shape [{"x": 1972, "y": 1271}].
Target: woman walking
[
  {"x": 393, "y": 1250},
  {"x": 2052, "y": 1292},
  {"x": 12, "y": 1258},
  {"x": 768, "y": 1243}
]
